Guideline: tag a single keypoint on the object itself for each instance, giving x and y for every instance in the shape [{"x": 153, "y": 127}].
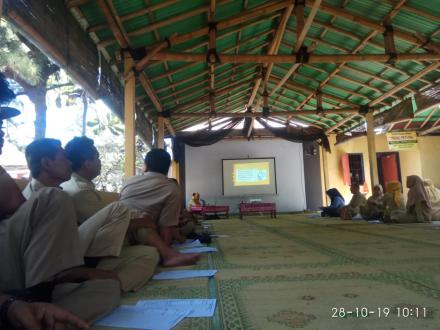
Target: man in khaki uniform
[
  {"x": 39, "y": 249},
  {"x": 102, "y": 234},
  {"x": 86, "y": 166},
  {"x": 154, "y": 194}
]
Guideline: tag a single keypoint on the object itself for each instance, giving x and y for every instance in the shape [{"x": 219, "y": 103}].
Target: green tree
[{"x": 24, "y": 63}]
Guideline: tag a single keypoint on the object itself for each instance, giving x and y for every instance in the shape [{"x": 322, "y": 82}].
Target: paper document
[
  {"x": 199, "y": 249},
  {"x": 189, "y": 243},
  {"x": 127, "y": 316},
  {"x": 179, "y": 274},
  {"x": 195, "y": 307}
]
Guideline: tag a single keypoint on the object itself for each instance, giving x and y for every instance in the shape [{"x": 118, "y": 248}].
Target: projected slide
[{"x": 251, "y": 174}]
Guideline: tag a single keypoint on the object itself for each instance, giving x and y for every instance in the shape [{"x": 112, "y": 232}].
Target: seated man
[
  {"x": 154, "y": 194},
  {"x": 353, "y": 208},
  {"x": 39, "y": 253},
  {"x": 86, "y": 166},
  {"x": 101, "y": 235}
]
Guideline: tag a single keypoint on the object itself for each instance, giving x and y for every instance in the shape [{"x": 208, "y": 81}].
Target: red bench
[
  {"x": 248, "y": 208},
  {"x": 211, "y": 209}
]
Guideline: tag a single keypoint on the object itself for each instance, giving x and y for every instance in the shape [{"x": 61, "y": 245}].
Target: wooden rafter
[
  {"x": 405, "y": 83},
  {"x": 257, "y": 114},
  {"x": 267, "y": 67},
  {"x": 359, "y": 47},
  {"x": 257, "y": 58},
  {"x": 299, "y": 42},
  {"x": 377, "y": 26}
]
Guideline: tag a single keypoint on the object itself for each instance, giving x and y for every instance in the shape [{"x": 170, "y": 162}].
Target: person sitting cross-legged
[
  {"x": 154, "y": 194},
  {"x": 336, "y": 203},
  {"x": 374, "y": 209},
  {"x": 102, "y": 234},
  {"x": 357, "y": 200},
  {"x": 86, "y": 166},
  {"x": 418, "y": 206},
  {"x": 40, "y": 258}
]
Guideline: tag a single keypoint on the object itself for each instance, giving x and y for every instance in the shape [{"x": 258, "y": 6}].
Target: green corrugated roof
[{"x": 328, "y": 34}]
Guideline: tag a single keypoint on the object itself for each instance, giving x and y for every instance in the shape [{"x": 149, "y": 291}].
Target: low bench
[
  {"x": 216, "y": 210},
  {"x": 249, "y": 208}
]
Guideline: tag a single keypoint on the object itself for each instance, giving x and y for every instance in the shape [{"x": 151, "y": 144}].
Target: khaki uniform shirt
[
  {"x": 86, "y": 199},
  {"x": 32, "y": 187},
  {"x": 155, "y": 194}
]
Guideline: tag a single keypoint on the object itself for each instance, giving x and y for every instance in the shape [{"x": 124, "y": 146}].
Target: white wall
[{"x": 203, "y": 171}]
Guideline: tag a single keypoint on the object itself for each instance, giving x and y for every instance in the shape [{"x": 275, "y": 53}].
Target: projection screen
[{"x": 249, "y": 176}]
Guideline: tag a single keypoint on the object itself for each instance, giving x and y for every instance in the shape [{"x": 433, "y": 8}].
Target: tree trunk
[
  {"x": 85, "y": 101},
  {"x": 39, "y": 101}
]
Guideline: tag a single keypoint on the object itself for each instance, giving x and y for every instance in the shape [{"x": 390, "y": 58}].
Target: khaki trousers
[
  {"x": 90, "y": 300},
  {"x": 103, "y": 234},
  {"x": 39, "y": 240}
]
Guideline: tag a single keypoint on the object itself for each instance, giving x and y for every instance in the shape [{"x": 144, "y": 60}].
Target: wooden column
[
  {"x": 129, "y": 119},
  {"x": 374, "y": 178},
  {"x": 175, "y": 170},
  {"x": 161, "y": 132},
  {"x": 323, "y": 163}
]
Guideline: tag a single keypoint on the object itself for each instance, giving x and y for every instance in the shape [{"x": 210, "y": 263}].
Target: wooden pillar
[
  {"x": 175, "y": 170},
  {"x": 160, "y": 132},
  {"x": 323, "y": 162},
  {"x": 371, "y": 140},
  {"x": 129, "y": 119}
]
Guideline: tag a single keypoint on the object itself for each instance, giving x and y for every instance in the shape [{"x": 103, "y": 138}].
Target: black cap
[{"x": 8, "y": 112}]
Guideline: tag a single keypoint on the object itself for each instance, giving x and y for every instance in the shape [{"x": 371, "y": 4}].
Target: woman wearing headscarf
[
  {"x": 434, "y": 198},
  {"x": 392, "y": 200},
  {"x": 418, "y": 206},
  {"x": 336, "y": 202},
  {"x": 433, "y": 192},
  {"x": 374, "y": 207}
]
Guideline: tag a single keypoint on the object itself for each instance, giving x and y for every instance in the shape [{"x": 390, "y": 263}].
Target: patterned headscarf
[
  {"x": 393, "y": 188},
  {"x": 417, "y": 192}
]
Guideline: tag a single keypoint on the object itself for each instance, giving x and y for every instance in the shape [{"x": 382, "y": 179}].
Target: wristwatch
[{"x": 4, "y": 308}]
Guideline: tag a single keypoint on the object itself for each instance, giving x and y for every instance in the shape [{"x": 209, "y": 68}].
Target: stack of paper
[
  {"x": 189, "y": 243},
  {"x": 179, "y": 274},
  {"x": 194, "y": 307},
  {"x": 201, "y": 249},
  {"x": 137, "y": 317}
]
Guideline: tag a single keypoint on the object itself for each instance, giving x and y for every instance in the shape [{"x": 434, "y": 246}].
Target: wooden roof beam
[
  {"x": 377, "y": 26},
  {"x": 244, "y": 114},
  {"x": 141, "y": 12},
  {"x": 273, "y": 49},
  {"x": 405, "y": 83},
  {"x": 228, "y": 22},
  {"x": 359, "y": 47},
  {"x": 257, "y": 58},
  {"x": 341, "y": 123},
  {"x": 114, "y": 23},
  {"x": 435, "y": 127},
  {"x": 299, "y": 42}
]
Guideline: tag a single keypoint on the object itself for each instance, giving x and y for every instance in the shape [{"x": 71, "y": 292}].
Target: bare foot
[{"x": 181, "y": 259}]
